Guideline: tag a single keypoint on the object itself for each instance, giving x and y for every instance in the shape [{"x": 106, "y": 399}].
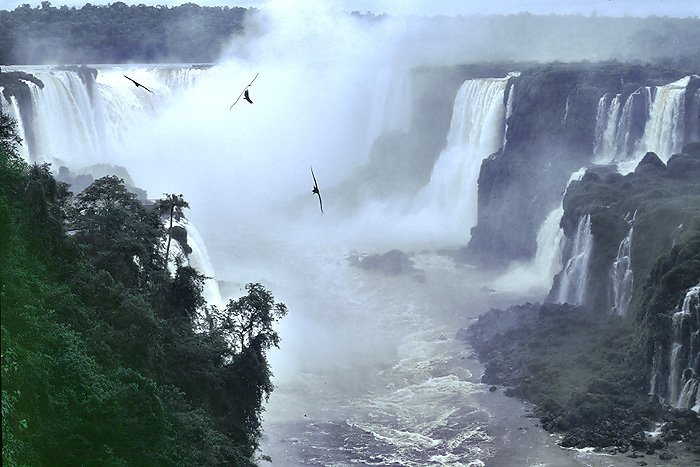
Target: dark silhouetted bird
[
  {"x": 244, "y": 93},
  {"x": 315, "y": 189},
  {"x": 138, "y": 84}
]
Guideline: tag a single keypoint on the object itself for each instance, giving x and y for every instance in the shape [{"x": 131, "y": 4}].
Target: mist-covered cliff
[{"x": 606, "y": 372}]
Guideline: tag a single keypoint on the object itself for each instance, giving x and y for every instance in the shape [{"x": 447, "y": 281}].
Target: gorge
[{"x": 573, "y": 183}]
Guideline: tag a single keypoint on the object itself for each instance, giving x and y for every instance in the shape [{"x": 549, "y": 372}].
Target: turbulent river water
[{"x": 370, "y": 371}]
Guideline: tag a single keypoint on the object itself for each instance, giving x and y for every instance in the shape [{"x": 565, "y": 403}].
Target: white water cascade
[
  {"x": 198, "y": 258},
  {"x": 650, "y": 119},
  {"x": 684, "y": 358},
  {"x": 622, "y": 275},
  {"x": 12, "y": 108},
  {"x": 538, "y": 273},
  {"x": 663, "y": 133},
  {"x": 509, "y": 107},
  {"x": 476, "y": 131},
  {"x": 367, "y": 372},
  {"x": 572, "y": 286},
  {"x": 97, "y": 115}
]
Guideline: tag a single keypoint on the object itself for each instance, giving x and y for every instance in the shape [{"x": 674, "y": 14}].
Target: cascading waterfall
[
  {"x": 179, "y": 78},
  {"x": 663, "y": 133},
  {"x": 445, "y": 209},
  {"x": 12, "y": 108},
  {"x": 606, "y": 128},
  {"x": 75, "y": 136},
  {"x": 509, "y": 106},
  {"x": 198, "y": 258},
  {"x": 538, "y": 273},
  {"x": 96, "y": 116},
  {"x": 622, "y": 275},
  {"x": 620, "y": 125},
  {"x": 684, "y": 358},
  {"x": 649, "y": 119},
  {"x": 572, "y": 286},
  {"x": 476, "y": 131},
  {"x": 678, "y": 381}
]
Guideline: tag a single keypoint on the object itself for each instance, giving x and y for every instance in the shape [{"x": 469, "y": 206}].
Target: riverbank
[{"x": 576, "y": 370}]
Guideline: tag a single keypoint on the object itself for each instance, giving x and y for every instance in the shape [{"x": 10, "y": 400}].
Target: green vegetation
[
  {"x": 107, "y": 359},
  {"x": 588, "y": 370},
  {"x": 116, "y": 33}
]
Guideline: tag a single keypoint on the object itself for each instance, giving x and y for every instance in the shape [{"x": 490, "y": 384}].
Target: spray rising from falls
[
  {"x": 622, "y": 275},
  {"x": 391, "y": 104}
]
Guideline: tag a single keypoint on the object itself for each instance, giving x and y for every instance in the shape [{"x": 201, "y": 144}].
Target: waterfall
[
  {"x": 684, "y": 357},
  {"x": 620, "y": 125},
  {"x": 97, "y": 115},
  {"x": 607, "y": 122},
  {"x": 198, "y": 258},
  {"x": 572, "y": 287},
  {"x": 650, "y": 119},
  {"x": 509, "y": 106},
  {"x": 622, "y": 275},
  {"x": 663, "y": 133},
  {"x": 476, "y": 131},
  {"x": 12, "y": 108},
  {"x": 538, "y": 273},
  {"x": 76, "y": 135}
]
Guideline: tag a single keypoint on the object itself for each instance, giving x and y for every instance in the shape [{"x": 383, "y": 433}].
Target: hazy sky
[{"x": 450, "y": 7}]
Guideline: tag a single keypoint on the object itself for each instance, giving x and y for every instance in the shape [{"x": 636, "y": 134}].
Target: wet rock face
[{"x": 550, "y": 135}]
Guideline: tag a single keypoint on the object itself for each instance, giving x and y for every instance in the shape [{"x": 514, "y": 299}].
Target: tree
[
  {"x": 249, "y": 320},
  {"x": 116, "y": 230},
  {"x": 172, "y": 205}
]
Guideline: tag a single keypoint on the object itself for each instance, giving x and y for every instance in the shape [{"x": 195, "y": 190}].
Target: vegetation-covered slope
[
  {"x": 101, "y": 363},
  {"x": 586, "y": 368}
]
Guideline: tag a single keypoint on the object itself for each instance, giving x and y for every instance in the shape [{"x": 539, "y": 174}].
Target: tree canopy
[
  {"x": 103, "y": 359},
  {"x": 117, "y": 33}
]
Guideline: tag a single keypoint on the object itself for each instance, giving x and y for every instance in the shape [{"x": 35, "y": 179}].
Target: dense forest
[
  {"x": 116, "y": 33},
  {"x": 110, "y": 353},
  {"x": 120, "y": 33}
]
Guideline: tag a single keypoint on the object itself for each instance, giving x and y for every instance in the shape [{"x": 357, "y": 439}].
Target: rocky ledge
[{"x": 578, "y": 369}]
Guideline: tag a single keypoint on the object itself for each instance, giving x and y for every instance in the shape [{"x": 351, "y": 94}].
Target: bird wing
[
  {"x": 314, "y": 176},
  {"x": 243, "y": 92},
  {"x": 320, "y": 201},
  {"x": 138, "y": 84}
]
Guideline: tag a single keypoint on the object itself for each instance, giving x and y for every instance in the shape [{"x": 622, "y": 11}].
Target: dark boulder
[
  {"x": 684, "y": 166},
  {"x": 394, "y": 262},
  {"x": 650, "y": 163}
]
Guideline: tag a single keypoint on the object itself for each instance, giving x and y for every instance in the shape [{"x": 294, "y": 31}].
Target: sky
[{"x": 642, "y": 8}]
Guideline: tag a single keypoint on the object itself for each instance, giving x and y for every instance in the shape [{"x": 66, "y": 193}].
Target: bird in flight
[
  {"x": 138, "y": 84},
  {"x": 244, "y": 93},
  {"x": 315, "y": 189}
]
